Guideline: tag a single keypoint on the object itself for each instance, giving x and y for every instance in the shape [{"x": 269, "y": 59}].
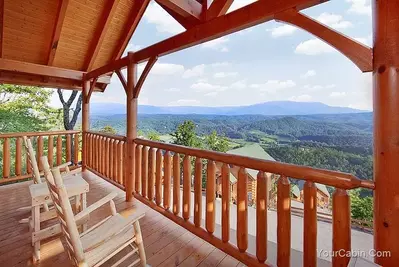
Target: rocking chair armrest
[
  {"x": 72, "y": 173},
  {"x": 95, "y": 206}
]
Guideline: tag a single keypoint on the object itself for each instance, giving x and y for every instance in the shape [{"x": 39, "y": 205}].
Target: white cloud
[
  {"x": 362, "y": 7},
  {"x": 283, "y": 30},
  {"x": 162, "y": 20},
  {"x": 173, "y": 89},
  {"x": 207, "y": 87},
  {"x": 185, "y": 102},
  {"x": 301, "y": 98},
  {"x": 163, "y": 69},
  {"x": 217, "y": 44},
  {"x": 220, "y": 64},
  {"x": 239, "y": 84},
  {"x": 338, "y": 94},
  {"x": 313, "y": 47},
  {"x": 309, "y": 73},
  {"x": 317, "y": 87},
  {"x": 239, "y": 4},
  {"x": 271, "y": 86},
  {"x": 196, "y": 71},
  {"x": 225, "y": 74},
  {"x": 211, "y": 94},
  {"x": 334, "y": 20}
]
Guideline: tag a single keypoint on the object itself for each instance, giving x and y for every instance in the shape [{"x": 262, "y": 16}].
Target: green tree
[
  {"x": 108, "y": 129},
  {"x": 185, "y": 135},
  {"x": 27, "y": 109},
  {"x": 215, "y": 142},
  {"x": 153, "y": 136},
  {"x": 361, "y": 207}
]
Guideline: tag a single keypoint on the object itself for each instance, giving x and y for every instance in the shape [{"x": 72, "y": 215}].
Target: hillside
[{"x": 267, "y": 108}]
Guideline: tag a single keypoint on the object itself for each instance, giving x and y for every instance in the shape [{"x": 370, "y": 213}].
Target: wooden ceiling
[{"x": 77, "y": 35}]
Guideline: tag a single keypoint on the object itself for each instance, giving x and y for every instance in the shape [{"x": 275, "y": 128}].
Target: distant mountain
[{"x": 267, "y": 108}]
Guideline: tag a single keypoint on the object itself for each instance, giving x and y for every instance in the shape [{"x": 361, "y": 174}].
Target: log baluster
[
  {"x": 186, "y": 187},
  {"x": 176, "y": 184},
  {"x": 111, "y": 158},
  {"x": 115, "y": 161},
  {"x": 18, "y": 156},
  {"x": 106, "y": 155},
  {"x": 310, "y": 224},
  {"x": 341, "y": 227},
  {"x": 158, "y": 178},
  {"x": 59, "y": 150},
  {"x": 39, "y": 152},
  {"x": 144, "y": 171},
  {"x": 242, "y": 210},
  {"x": 6, "y": 158},
  {"x": 50, "y": 151},
  {"x": 76, "y": 149},
  {"x": 166, "y": 180},
  {"x": 226, "y": 202},
  {"x": 124, "y": 155},
  {"x": 198, "y": 192},
  {"x": 68, "y": 148},
  {"x": 120, "y": 162},
  {"x": 28, "y": 164},
  {"x": 261, "y": 216},
  {"x": 138, "y": 169},
  {"x": 283, "y": 221},
  {"x": 210, "y": 196},
  {"x": 151, "y": 173}
]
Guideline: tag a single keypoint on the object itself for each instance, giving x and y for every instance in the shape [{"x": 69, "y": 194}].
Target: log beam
[
  {"x": 1, "y": 26},
  {"x": 218, "y": 8},
  {"x": 357, "y": 52},
  {"x": 102, "y": 28},
  {"x": 63, "y": 5},
  {"x": 136, "y": 14},
  {"x": 248, "y": 16},
  {"x": 42, "y": 70}
]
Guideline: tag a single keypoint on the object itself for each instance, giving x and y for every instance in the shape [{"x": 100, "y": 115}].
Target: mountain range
[{"x": 267, "y": 108}]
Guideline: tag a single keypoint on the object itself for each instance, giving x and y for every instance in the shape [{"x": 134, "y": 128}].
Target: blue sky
[{"x": 271, "y": 61}]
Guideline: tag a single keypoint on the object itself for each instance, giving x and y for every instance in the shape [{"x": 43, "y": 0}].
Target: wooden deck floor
[{"x": 166, "y": 243}]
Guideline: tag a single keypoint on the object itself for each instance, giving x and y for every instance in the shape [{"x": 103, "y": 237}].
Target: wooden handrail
[
  {"x": 107, "y": 135},
  {"x": 30, "y": 134},
  {"x": 327, "y": 177}
]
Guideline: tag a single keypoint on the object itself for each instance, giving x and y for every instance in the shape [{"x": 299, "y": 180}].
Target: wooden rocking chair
[
  {"x": 37, "y": 175},
  {"x": 103, "y": 240}
]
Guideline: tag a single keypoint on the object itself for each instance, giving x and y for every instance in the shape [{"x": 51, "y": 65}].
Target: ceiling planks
[
  {"x": 250, "y": 15},
  {"x": 108, "y": 13},
  {"x": 218, "y": 8},
  {"x": 57, "y": 30},
  {"x": 135, "y": 17}
]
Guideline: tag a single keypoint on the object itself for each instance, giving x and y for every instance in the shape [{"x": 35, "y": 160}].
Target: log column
[
  {"x": 131, "y": 126},
  {"x": 85, "y": 121},
  {"x": 386, "y": 129}
]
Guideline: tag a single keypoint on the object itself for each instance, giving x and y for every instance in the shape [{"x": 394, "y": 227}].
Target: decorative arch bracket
[
  {"x": 143, "y": 76},
  {"x": 357, "y": 52},
  {"x": 92, "y": 86}
]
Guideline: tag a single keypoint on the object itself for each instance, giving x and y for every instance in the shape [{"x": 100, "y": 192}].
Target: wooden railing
[
  {"x": 105, "y": 156},
  {"x": 59, "y": 146},
  {"x": 158, "y": 174}
]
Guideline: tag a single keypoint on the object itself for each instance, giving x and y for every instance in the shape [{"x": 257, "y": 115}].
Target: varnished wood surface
[{"x": 166, "y": 243}]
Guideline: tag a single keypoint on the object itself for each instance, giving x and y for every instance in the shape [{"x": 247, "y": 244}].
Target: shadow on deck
[{"x": 166, "y": 243}]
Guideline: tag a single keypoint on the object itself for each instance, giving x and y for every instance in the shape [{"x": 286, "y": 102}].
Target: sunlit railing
[
  {"x": 158, "y": 175},
  {"x": 58, "y": 146},
  {"x": 105, "y": 156},
  {"x": 175, "y": 180}
]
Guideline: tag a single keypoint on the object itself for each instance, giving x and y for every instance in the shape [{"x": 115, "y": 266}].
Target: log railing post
[
  {"x": 158, "y": 178},
  {"x": 166, "y": 180},
  {"x": 310, "y": 224},
  {"x": 198, "y": 192},
  {"x": 186, "y": 187},
  {"x": 6, "y": 157},
  {"x": 386, "y": 130},
  {"x": 50, "y": 152},
  {"x": 59, "y": 150},
  {"x": 176, "y": 184},
  {"x": 283, "y": 221},
  {"x": 85, "y": 121},
  {"x": 144, "y": 171},
  {"x": 210, "y": 196},
  {"x": 341, "y": 243},
  {"x": 151, "y": 173},
  {"x": 39, "y": 152},
  {"x": 76, "y": 149},
  {"x": 18, "y": 156},
  {"x": 242, "y": 210},
  {"x": 131, "y": 126},
  {"x": 261, "y": 216},
  {"x": 226, "y": 198}
]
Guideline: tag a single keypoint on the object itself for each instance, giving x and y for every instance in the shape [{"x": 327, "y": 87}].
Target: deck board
[{"x": 166, "y": 243}]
